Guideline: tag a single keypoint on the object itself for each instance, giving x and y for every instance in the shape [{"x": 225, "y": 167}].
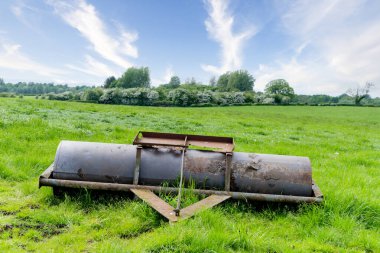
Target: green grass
[{"x": 343, "y": 144}]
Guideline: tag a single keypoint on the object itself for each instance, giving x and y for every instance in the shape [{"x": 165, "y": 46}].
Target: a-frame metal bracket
[
  {"x": 181, "y": 141},
  {"x": 167, "y": 210}
]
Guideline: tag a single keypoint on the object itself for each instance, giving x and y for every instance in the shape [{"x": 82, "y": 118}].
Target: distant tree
[
  {"x": 222, "y": 82},
  {"x": 174, "y": 82},
  {"x": 212, "y": 81},
  {"x": 239, "y": 80},
  {"x": 360, "y": 93},
  {"x": 191, "y": 81},
  {"x": 2, "y": 86},
  {"x": 280, "y": 90},
  {"x": 345, "y": 99},
  {"x": 110, "y": 82},
  {"x": 31, "y": 88},
  {"x": 134, "y": 78}
]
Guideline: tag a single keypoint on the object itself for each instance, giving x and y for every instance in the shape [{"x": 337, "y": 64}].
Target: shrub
[
  {"x": 249, "y": 97},
  {"x": 139, "y": 96},
  {"x": 68, "y": 95},
  {"x": 237, "y": 98},
  {"x": 182, "y": 97},
  {"x": 91, "y": 95},
  {"x": 268, "y": 101},
  {"x": 6, "y": 95},
  {"x": 205, "y": 97},
  {"x": 111, "y": 96}
]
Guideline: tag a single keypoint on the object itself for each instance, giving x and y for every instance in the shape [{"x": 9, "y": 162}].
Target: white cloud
[
  {"x": 219, "y": 25},
  {"x": 28, "y": 15},
  {"x": 168, "y": 74},
  {"x": 166, "y": 77},
  {"x": 94, "y": 67},
  {"x": 84, "y": 18},
  {"x": 337, "y": 46},
  {"x": 11, "y": 57},
  {"x": 305, "y": 78},
  {"x": 17, "y": 10}
]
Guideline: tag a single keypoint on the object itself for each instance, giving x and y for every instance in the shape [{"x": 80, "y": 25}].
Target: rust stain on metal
[
  {"x": 199, "y": 164},
  {"x": 204, "y": 164}
]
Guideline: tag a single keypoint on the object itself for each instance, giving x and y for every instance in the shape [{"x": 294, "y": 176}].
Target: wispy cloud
[
  {"x": 85, "y": 18},
  {"x": 93, "y": 67},
  {"x": 169, "y": 72},
  {"x": 16, "y": 10},
  {"x": 219, "y": 25},
  {"x": 12, "y": 58},
  {"x": 336, "y": 46},
  {"x": 28, "y": 15}
]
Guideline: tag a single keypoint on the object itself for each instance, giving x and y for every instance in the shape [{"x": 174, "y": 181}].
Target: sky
[{"x": 319, "y": 47}]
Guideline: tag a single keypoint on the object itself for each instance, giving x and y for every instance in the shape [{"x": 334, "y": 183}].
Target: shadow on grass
[{"x": 89, "y": 200}]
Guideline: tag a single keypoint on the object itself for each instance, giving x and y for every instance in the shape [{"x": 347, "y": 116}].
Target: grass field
[{"x": 343, "y": 144}]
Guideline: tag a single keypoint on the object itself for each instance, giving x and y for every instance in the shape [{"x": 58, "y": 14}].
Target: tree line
[
  {"x": 230, "y": 88},
  {"x": 32, "y": 88}
]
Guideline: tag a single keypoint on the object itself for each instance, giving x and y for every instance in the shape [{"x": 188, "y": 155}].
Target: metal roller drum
[
  {"x": 167, "y": 162},
  {"x": 250, "y": 173}
]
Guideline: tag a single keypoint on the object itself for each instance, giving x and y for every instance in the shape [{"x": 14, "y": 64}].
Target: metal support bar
[
  {"x": 128, "y": 187},
  {"x": 167, "y": 211},
  {"x": 46, "y": 174},
  {"x": 178, "y": 207},
  {"x": 205, "y": 203},
  {"x": 227, "y": 176},
  {"x": 317, "y": 192},
  {"x": 137, "y": 167},
  {"x": 156, "y": 203}
]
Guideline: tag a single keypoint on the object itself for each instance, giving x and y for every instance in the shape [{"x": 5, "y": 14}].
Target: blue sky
[{"x": 318, "y": 46}]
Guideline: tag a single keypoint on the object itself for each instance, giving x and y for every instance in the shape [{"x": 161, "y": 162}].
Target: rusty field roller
[{"x": 157, "y": 159}]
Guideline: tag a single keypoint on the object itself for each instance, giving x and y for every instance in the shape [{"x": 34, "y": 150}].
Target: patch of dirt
[
  {"x": 46, "y": 230},
  {"x": 7, "y": 213}
]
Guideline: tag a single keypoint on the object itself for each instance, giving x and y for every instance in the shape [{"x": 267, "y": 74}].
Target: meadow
[{"x": 343, "y": 144}]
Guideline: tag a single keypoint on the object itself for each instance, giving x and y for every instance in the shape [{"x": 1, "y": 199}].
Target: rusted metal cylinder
[{"x": 251, "y": 173}]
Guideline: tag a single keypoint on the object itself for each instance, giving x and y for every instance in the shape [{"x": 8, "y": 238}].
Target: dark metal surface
[
  {"x": 212, "y": 143},
  {"x": 127, "y": 187},
  {"x": 250, "y": 173}
]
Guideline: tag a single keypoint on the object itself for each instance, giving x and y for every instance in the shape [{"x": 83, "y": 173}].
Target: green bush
[
  {"x": 182, "y": 97},
  {"x": 92, "y": 95}
]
